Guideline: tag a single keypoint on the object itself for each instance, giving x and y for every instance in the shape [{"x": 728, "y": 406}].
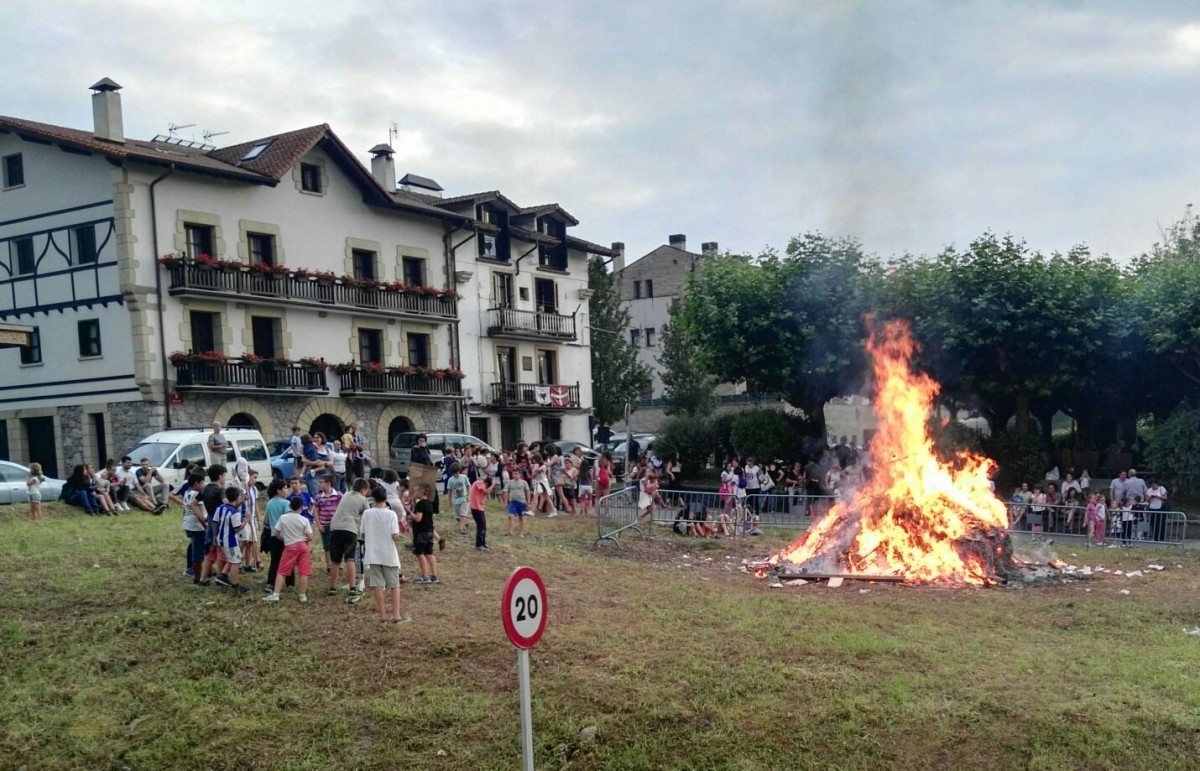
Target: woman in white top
[{"x": 753, "y": 483}]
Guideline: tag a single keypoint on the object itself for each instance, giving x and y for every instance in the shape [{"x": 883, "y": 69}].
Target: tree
[
  {"x": 617, "y": 377},
  {"x": 687, "y": 376},
  {"x": 1016, "y": 331},
  {"x": 793, "y": 325},
  {"x": 1166, "y": 288}
]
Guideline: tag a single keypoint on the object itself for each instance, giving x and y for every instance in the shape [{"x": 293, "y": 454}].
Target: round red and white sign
[{"x": 523, "y": 607}]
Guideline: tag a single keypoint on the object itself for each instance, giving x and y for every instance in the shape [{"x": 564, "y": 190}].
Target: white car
[{"x": 13, "y": 489}]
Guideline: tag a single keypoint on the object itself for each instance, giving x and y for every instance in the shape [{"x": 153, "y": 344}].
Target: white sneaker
[
  {"x": 272, "y": 597},
  {"x": 552, "y": 514},
  {"x": 304, "y": 598},
  {"x": 362, "y": 587}
]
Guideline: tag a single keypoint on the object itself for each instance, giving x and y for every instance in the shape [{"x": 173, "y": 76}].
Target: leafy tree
[
  {"x": 689, "y": 438},
  {"x": 689, "y": 385},
  {"x": 1167, "y": 293},
  {"x": 1174, "y": 448},
  {"x": 793, "y": 325},
  {"x": 617, "y": 377},
  {"x": 766, "y": 435},
  {"x": 1014, "y": 331}
]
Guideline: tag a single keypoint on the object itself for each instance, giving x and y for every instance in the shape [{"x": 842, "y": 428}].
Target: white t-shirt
[
  {"x": 339, "y": 461},
  {"x": 191, "y": 522},
  {"x": 123, "y": 477},
  {"x": 752, "y": 481},
  {"x": 292, "y": 528},
  {"x": 1156, "y": 495},
  {"x": 378, "y": 526}
]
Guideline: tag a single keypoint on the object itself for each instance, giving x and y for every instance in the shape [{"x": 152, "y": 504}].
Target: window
[
  {"x": 33, "y": 354},
  {"x": 635, "y": 338},
  {"x": 191, "y": 454},
  {"x": 199, "y": 239},
  {"x": 370, "y": 345},
  {"x": 637, "y": 290},
  {"x": 414, "y": 271},
  {"x": 506, "y": 363},
  {"x": 418, "y": 350},
  {"x": 551, "y": 429},
  {"x": 84, "y": 240},
  {"x": 310, "y": 177},
  {"x": 252, "y": 449},
  {"x": 21, "y": 253},
  {"x": 547, "y": 362},
  {"x": 649, "y": 288},
  {"x": 649, "y": 337},
  {"x": 89, "y": 337},
  {"x": 14, "y": 170},
  {"x": 364, "y": 264},
  {"x": 261, "y": 247},
  {"x": 502, "y": 290},
  {"x": 547, "y": 295},
  {"x": 479, "y": 429},
  {"x": 255, "y": 151},
  {"x": 205, "y": 326},
  {"x": 100, "y": 435},
  {"x": 265, "y": 331}
]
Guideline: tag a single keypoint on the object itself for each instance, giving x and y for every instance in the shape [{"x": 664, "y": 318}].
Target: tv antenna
[
  {"x": 208, "y": 135},
  {"x": 173, "y": 128},
  {"x": 393, "y": 132}
]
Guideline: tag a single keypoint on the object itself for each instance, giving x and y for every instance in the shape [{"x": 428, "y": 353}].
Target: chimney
[
  {"x": 618, "y": 262},
  {"x": 383, "y": 167},
  {"x": 709, "y": 248},
  {"x": 415, "y": 183},
  {"x": 679, "y": 241},
  {"x": 106, "y": 111}
]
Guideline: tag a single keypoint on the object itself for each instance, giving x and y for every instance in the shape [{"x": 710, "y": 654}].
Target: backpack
[{"x": 741, "y": 480}]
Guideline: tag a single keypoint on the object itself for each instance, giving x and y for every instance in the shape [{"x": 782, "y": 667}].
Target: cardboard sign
[{"x": 420, "y": 474}]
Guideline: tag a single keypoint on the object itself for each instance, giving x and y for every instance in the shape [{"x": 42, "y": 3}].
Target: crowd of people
[{"x": 1130, "y": 509}]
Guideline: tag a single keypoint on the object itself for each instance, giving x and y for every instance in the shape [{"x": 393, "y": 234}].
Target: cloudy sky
[{"x": 908, "y": 123}]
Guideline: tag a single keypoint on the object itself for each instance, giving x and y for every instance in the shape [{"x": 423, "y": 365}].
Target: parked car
[
  {"x": 400, "y": 453},
  {"x": 12, "y": 484},
  {"x": 283, "y": 461},
  {"x": 171, "y": 451},
  {"x": 567, "y": 447},
  {"x": 645, "y": 442}
]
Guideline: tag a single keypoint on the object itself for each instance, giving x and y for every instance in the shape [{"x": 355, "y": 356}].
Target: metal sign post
[{"x": 523, "y": 612}]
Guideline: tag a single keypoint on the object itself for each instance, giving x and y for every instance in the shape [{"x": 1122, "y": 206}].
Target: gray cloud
[{"x": 909, "y": 124}]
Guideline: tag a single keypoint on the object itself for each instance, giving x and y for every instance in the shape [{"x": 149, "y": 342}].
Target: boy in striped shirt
[{"x": 227, "y": 521}]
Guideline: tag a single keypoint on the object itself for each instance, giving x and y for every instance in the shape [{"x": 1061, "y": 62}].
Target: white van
[{"x": 171, "y": 451}]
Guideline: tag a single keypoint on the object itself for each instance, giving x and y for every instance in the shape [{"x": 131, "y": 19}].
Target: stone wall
[
  {"x": 130, "y": 422},
  {"x": 70, "y": 434}
]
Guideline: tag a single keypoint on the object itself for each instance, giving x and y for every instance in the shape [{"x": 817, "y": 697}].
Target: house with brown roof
[{"x": 272, "y": 283}]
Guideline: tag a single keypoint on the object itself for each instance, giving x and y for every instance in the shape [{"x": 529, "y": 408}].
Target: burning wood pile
[{"x": 917, "y": 519}]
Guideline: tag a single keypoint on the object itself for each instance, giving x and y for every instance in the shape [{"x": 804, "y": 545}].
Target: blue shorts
[
  {"x": 196, "y": 545},
  {"x": 516, "y": 508}
]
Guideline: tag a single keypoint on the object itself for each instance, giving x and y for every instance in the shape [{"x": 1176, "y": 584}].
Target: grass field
[{"x": 109, "y": 658}]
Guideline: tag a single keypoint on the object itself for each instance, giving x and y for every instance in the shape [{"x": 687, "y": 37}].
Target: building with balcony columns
[{"x": 273, "y": 283}]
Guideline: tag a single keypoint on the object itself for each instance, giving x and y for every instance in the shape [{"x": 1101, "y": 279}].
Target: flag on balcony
[
  {"x": 559, "y": 396},
  {"x": 541, "y": 395}
]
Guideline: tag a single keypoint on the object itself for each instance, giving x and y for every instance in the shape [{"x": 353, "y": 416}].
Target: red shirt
[{"x": 477, "y": 496}]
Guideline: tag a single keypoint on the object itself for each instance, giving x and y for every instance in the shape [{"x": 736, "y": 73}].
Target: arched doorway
[
  {"x": 398, "y": 426},
  {"x": 242, "y": 420},
  {"x": 329, "y": 425}
]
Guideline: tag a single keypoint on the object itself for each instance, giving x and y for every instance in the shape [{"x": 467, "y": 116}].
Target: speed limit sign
[
  {"x": 523, "y": 607},
  {"x": 523, "y": 611}
]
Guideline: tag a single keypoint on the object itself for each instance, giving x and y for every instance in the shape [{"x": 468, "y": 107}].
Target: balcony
[
  {"x": 523, "y": 397},
  {"x": 530, "y": 325},
  {"x": 191, "y": 279},
  {"x": 428, "y": 387},
  {"x": 237, "y": 375}
]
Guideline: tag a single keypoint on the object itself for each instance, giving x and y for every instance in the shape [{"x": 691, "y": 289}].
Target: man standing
[
  {"x": 1118, "y": 489},
  {"x": 603, "y": 435},
  {"x": 218, "y": 445},
  {"x": 1135, "y": 486}
]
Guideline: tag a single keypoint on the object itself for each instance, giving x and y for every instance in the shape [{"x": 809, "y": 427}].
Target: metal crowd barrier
[
  {"x": 1148, "y": 527},
  {"x": 717, "y": 514}
]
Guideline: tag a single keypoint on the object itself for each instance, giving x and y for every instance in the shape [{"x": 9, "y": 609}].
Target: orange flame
[{"x": 907, "y": 517}]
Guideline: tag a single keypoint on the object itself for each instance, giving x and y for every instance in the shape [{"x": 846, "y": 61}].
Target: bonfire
[{"x": 918, "y": 518}]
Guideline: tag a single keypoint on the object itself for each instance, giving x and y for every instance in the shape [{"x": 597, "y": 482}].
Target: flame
[{"x": 909, "y": 515}]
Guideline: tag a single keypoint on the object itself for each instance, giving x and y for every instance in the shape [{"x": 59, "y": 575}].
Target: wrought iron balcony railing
[
  {"x": 238, "y": 375},
  {"x": 532, "y": 396},
  {"x": 509, "y": 322}
]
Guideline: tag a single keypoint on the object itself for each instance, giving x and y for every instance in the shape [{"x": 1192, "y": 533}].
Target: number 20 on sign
[{"x": 523, "y": 612}]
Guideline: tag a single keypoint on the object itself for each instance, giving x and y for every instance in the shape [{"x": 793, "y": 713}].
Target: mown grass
[{"x": 110, "y": 659}]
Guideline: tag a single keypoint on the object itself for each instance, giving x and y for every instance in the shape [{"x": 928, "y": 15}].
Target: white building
[{"x": 85, "y": 217}]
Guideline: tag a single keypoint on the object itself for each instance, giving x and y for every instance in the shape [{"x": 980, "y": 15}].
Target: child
[
  {"x": 338, "y": 458},
  {"x": 543, "y": 496},
  {"x": 295, "y": 530},
  {"x": 241, "y": 472},
  {"x": 391, "y": 485},
  {"x": 228, "y": 521},
  {"x": 649, "y": 495},
  {"x": 423, "y": 536},
  {"x": 306, "y": 500},
  {"x": 34, "y": 485},
  {"x": 326, "y": 505},
  {"x": 381, "y": 531},
  {"x": 194, "y": 523},
  {"x": 345, "y": 539},
  {"x": 518, "y": 491},
  {"x": 457, "y": 488},
  {"x": 479, "y": 495},
  {"x": 249, "y": 535},
  {"x": 278, "y": 504}
]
